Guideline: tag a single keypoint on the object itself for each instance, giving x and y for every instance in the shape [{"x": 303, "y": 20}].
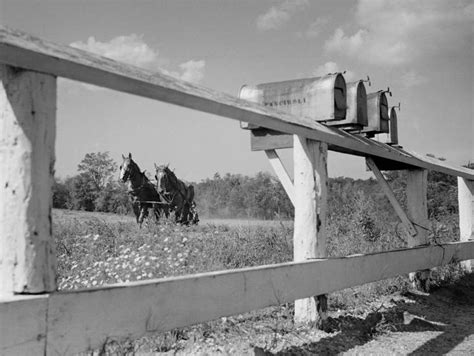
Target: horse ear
[
  {"x": 123, "y": 157},
  {"x": 129, "y": 155},
  {"x": 156, "y": 167}
]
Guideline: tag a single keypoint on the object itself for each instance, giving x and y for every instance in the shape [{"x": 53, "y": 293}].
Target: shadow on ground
[{"x": 441, "y": 311}]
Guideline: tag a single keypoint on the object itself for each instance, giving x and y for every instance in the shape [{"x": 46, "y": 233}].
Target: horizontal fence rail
[
  {"x": 22, "y": 50},
  {"x": 70, "y": 322}
]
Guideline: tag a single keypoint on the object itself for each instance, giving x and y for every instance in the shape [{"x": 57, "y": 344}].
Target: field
[{"x": 97, "y": 248}]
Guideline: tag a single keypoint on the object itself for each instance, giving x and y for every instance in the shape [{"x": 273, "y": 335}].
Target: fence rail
[
  {"x": 71, "y": 322},
  {"x": 21, "y": 50}
]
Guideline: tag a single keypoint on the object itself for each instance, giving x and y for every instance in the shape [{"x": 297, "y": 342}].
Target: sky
[{"x": 422, "y": 49}]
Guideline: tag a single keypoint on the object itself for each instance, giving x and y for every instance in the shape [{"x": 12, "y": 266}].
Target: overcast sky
[{"x": 423, "y": 50}]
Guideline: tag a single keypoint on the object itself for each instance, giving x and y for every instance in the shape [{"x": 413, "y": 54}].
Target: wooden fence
[{"x": 36, "y": 319}]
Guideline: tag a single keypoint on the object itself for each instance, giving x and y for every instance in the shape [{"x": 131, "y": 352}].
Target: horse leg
[
  {"x": 136, "y": 210},
  {"x": 156, "y": 210},
  {"x": 143, "y": 215}
]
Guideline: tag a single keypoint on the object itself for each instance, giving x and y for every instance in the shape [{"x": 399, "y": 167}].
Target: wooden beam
[
  {"x": 282, "y": 174},
  {"x": 23, "y": 325},
  {"x": 22, "y": 50},
  {"x": 309, "y": 238},
  {"x": 83, "y": 320},
  {"x": 391, "y": 197},
  {"x": 466, "y": 215},
  {"x": 417, "y": 210},
  {"x": 27, "y": 135}
]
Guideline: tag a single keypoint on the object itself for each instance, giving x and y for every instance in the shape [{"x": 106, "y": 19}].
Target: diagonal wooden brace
[
  {"x": 391, "y": 197},
  {"x": 282, "y": 174}
]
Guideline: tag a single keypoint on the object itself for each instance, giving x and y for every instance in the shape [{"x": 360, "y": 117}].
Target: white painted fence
[{"x": 36, "y": 319}]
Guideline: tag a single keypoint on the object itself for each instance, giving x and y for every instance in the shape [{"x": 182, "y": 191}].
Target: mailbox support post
[
  {"x": 417, "y": 211},
  {"x": 309, "y": 240},
  {"x": 466, "y": 215},
  {"x": 27, "y": 135}
]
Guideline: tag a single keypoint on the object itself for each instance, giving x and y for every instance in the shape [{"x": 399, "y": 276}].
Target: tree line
[{"x": 95, "y": 187}]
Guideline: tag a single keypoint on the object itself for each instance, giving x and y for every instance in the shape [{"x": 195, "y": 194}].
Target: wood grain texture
[
  {"x": 23, "y": 325},
  {"x": 417, "y": 211},
  {"x": 25, "y": 51},
  {"x": 466, "y": 215},
  {"x": 391, "y": 197},
  {"x": 282, "y": 174},
  {"x": 27, "y": 137},
  {"x": 309, "y": 237},
  {"x": 82, "y": 320}
]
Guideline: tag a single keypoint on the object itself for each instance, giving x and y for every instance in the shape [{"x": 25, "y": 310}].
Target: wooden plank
[
  {"x": 25, "y": 51},
  {"x": 27, "y": 135},
  {"x": 83, "y": 320},
  {"x": 309, "y": 238},
  {"x": 262, "y": 139},
  {"x": 23, "y": 325},
  {"x": 466, "y": 215},
  {"x": 282, "y": 174},
  {"x": 417, "y": 210},
  {"x": 391, "y": 197}
]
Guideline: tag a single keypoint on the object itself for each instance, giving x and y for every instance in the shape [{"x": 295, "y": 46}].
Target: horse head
[
  {"x": 163, "y": 178},
  {"x": 127, "y": 168}
]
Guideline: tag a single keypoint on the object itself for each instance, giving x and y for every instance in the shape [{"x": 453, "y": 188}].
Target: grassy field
[{"x": 94, "y": 249}]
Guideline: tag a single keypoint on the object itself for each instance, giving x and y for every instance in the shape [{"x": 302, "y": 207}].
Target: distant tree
[
  {"x": 98, "y": 167},
  {"x": 61, "y": 194},
  {"x": 94, "y": 182}
]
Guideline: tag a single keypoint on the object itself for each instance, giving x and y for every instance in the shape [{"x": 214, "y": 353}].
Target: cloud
[
  {"x": 332, "y": 67},
  {"x": 132, "y": 49},
  {"x": 411, "y": 79},
  {"x": 280, "y": 14},
  {"x": 315, "y": 28},
  {"x": 193, "y": 71},
  {"x": 392, "y": 33}
]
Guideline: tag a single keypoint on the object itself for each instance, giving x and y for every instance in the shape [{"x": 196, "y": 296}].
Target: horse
[
  {"x": 141, "y": 191},
  {"x": 175, "y": 192}
]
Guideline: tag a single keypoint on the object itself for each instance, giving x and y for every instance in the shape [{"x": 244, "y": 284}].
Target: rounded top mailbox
[
  {"x": 356, "y": 115},
  {"x": 377, "y": 111},
  {"x": 321, "y": 98}
]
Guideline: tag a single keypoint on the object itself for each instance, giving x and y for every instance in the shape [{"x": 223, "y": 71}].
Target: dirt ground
[{"x": 438, "y": 323}]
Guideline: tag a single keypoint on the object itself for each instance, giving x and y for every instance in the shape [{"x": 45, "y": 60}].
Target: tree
[
  {"x": 99, "y": 168},
  {"x": 91, "y": 184}
]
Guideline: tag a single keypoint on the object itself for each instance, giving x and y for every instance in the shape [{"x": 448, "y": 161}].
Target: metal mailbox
[
  {"x": 356, "y": 114},
  {"x": 320, "y": 98},
  {"x": 393, "y": 127},
  {"x": 377, "y": 112}
]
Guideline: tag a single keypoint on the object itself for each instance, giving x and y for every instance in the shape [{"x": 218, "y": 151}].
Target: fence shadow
[{"x": 417, "y": 313}]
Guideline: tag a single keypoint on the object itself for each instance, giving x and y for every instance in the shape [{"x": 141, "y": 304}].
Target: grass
[{"x": 95, "y": 249}]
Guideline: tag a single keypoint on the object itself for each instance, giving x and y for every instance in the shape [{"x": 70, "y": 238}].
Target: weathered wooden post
[
  {"x": 309, "y": 240},
  {"x": 417, "y": 211},
  {"x": 27, "y": 135},
  {"x": 466, "y": 215}
]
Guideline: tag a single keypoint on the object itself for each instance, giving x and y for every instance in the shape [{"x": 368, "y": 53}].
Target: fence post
[
  {"x": 309, "y": 240},
  {"x": 417, "y": 211},
  {"x": 466, "y": 215},
  {"x": 27, "y": 135}
]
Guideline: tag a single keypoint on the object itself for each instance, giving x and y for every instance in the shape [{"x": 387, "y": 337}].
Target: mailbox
[
  {"x": 356, "y": 114},
  {"x": 377, "y": 113},
  {"x": 393, "y": 127},
  {"x": 322, "y": 99}
]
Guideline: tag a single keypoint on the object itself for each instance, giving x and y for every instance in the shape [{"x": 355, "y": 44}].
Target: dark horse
[
  {"x": 142, "y": 192},
  {"x": 179, "y": 195}
]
